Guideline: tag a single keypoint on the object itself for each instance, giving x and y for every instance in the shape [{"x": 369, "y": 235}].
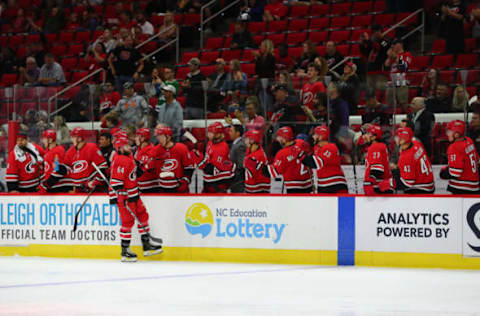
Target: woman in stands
[
  {"x": 429, "y": 83},
  {"x": 460, "y": 99},
  {"x": 236, "y": 80},
  {"x": 308, "y": 56}
]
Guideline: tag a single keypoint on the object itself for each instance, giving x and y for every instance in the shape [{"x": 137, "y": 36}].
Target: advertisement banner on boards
[
  {"x": 40, "y": 219},
  {"x": 274, "y": 222},
  {"x": 181, "y": 221},
  {"x": 408, "y": 224},
  {"x": 471, "y": 227}
]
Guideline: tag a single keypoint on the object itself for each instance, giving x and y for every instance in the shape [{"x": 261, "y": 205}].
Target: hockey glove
[
  {"x": 369, "y": 190},
  {"x": 385, "y": 185},
  {"x": 445, "y": 173},
  {"x": 208, "y": 168},
  {"x": 252, "y": 164}
]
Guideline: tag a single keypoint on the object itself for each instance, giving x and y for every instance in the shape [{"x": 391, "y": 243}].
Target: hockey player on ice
[
  {"x": 54, "y": 178},
  {"x": 126, "y": 195},
  {"x": 255, "y": 181}
]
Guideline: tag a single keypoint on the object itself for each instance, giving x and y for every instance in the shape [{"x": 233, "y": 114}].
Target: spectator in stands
[
  {"x": 284, "y": 79},
  {"x": 106, "y": 146},
  {"x": 321, "y": 64},
  {"x": 8, "y": 60},
  {"x": 215, "y": 84},
  {"x": 167, "y": 32},
  {"x": 332, "y": 56},
  {"x": 90, "y": 20},
  {"x": 109, "y": 99},
  {"x": 242, "y": 38},
  {"x": 54, "y": 21},
  {"x": 349, "y": 84},
  {"x": 73, "y": 22},
  {"x": 138, "y": 36},
  {"x": 453, "y": 18},
  {"x": 398, "y": 62},
  {"x": 125, "y": 63},
  {"x": 29, "y": 74},
  {"x": 275, "y": 10},
  {"x": 168, "y": 79},
  {"x": 238, "y": 149},
  {"x": 132, "y": 108},
  {"x": 308, "y": 56},
  {"x": 20, "y": 23},
  {"x": 160, "y": 6},
  {"x": 107, "y": 40},
  {"x": 429, "y": 83},
  {"x": 286, "y": 107},
  {"x": 171, "y": 112},
  {"x": 147, "y": 27},
  {"x": 376, "y": 113},
  {"x": 339, "y": 112},
  {"x": 96, "y": 57},
  {"x": 421, "y": 121},
  {"x": 441, "y": 102},
  {"x": 374, "y": 51},
  {"x": 111, "y": 120},
  {"x": 192, "y": 87},
  {"x": 254, "y": 11},
  {"x": 460, "y": 99},
  {"x": 236, "y": 80},
  {"x": 250, "y": 120},
  {"x": 63, "y": 134},
  {"x": 284, "y": 62},
  {"x": 51, "y": 73},
  {"x": 264, "y": 69},
  {"x": 318, "y": 114},
  {"x": 126, "y": 21},
  {"x": 474, "y": 130},
  {"x": 122, "y": 35}
]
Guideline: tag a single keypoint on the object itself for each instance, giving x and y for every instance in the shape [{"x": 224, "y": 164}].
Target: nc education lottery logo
[
  {"x": 199, "y": 220},
  {"x": 472, "y": 212}
]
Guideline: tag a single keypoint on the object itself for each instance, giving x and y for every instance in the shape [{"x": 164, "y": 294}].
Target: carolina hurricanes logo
[
  {"x": 307, "y": 97},
  {"x": 79, "y": 166},
  {"x": 47, "y": 167},
  {"x": 29, "y": 167},
  {"x": 169, "y": 165}
]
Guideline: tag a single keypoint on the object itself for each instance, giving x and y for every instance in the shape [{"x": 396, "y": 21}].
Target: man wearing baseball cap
[
  {"x": 133, "y": 108},
  {"x": 192, "y": 87},
  {"x": 171, "y": 112}
]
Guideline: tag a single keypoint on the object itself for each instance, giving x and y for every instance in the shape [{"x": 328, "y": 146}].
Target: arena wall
[{"x": 400, "y": 231}]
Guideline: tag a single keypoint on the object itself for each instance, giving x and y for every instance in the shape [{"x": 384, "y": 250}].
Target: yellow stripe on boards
[
  {"x": 415, "y": 260},
  {"x": 277, "y": 256}
]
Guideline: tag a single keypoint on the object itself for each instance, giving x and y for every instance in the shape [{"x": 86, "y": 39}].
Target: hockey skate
[
  {"x": 128, "y": 255},
  {"x": 150, "y": 249}
]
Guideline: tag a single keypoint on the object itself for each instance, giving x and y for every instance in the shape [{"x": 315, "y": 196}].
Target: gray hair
[{"x": 419, "y": 100}]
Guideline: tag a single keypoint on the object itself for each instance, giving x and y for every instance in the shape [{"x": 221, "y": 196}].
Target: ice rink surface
[{"x": 39, "y": 286}]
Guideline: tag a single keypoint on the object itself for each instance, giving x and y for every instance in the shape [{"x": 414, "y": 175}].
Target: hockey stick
[
  {"x": 75, "y": 223},
  {"x": 157, "y": 240},
  {"x": 354, "y": 166}
]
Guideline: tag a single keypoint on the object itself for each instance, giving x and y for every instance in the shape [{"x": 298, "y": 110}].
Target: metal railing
[
  {"x": 204, "y": 21},
  {"x": 176, "y": 40}
]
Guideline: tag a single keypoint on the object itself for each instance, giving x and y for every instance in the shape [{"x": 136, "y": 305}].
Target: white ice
[{"x": 40, "y": 286}]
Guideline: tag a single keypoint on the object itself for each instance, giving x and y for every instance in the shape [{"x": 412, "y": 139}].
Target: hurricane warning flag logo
[{"x": 199, "y": 220}]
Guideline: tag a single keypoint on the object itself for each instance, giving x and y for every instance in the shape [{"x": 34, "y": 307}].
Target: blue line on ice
[{"x": 157, "y": 277}]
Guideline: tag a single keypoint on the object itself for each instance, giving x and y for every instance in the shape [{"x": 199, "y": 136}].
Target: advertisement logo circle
[{"x": 199, "y": 220}]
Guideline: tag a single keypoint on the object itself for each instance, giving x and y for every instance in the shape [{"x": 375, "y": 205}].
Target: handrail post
[
  {"x": 177, "y": 48},
  {"x": 201, "y": 27},
  {"x": 203, "y": 21},
  {"x": 422, "y": 38}
]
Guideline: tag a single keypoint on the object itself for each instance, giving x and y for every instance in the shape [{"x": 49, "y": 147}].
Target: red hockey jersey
[
  {"x": 80, "y": 161},
  {"x": 123, "y": 178},
  {"x": 176, "y": 160},
  {"x": 309, "y": 91},
  {"x": 149, "y": 179},
  {"x": 416, "y": 171},
  {"x": 463, "y": 165},
  {"x": 52, "y": 161},
  {"x": 377, "y": 160},
  {"x": 218, "y": 154},
  {"x": 329, "y": 170},
  {"x": 24, "y": 168},
  {"x": 255, "y": 180},
  {"x": 295, "y": 174}
]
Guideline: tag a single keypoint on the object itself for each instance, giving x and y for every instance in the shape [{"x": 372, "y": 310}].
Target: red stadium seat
[
  {"x": 257, "y": 39},
  {"x": 299, "y": 11},
  {"x": 342, "y": 8},
  {"x": 410, "y": 21},
  {"x": 298, "y": 25},
  {"x": 248, "y": 69},
  {"x": 319, "y": 23},
  {"x": 340, "y": 36},
  {"x": 230, "y": 54},
  {"x": 216, "y": 115},
  {"x": 73, "y": 92},
  {"x": 466, "y": 61},
  {"x": 355, "y": 50},
  {"x": 362, "y": 7},
  {"x": 357, "y": 34},
  {"x": 207, "y": 70},
  {"x": 318, "y": 37},
  {"x": 66, "y": 37},
  {"x": 96, "y": 35},
  {"x": 415, "y": 78},
  {"x": 16, "y": 40},
  {"x": 209, "y": 57},
  {"x": 227, "y": 42},
  {"x": 189, "y": 55},
  {"x": 77, "y": 75},
  {"x": 384, "y": 19},
  {"x": 296, "y": 38},
  {"x": 277, "y": 26},
  {"x": 379, "y": 6},
  {"x": 58, "y": 50},
  {"x": 25, "y": 106},
  {"x": 192, "y": 19},
  {"x": 472, "y": 90},
  {"x": 447, "y": 76},
  {"x": 341, "y": 22},
  {"x": 473, "y": 77},
  {"x": 420, "y": 63},
  {"x": 362, "y": 21},
  {"x": 182, "y": 100},
  {"x": 75, "y": 49},
  {"x": 321, "y": 50},
  {"x": 9, "y": 80},
  {"x": 320, "y": 10},
  {"x": 32, "y": 38},
  {"x": 69, "y": 63},
  {"x": 257, "y": 27},
  {"x": 295, "y": 52},
  {"x": 182, "y": 72},
  {"x": 248, "y": 54},
  {"x": 157, "y": 20},
  {"x": 82, "y": 37},
  {"x": 276, "y": 38},
  {"x": 439, "y": 46},
  {"x": 344, "y": 49},
  {"x": 214, "y": 43},
  {"x": 470, "y": 45},
  {"x": 178, "y": 19},
  {"x": 442, "y": 61}
]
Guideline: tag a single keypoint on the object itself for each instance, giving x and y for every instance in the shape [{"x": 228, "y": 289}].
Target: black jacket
[{"x": 422, "y": 128}]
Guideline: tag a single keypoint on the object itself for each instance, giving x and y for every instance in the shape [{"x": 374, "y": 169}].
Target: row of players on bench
[{"x": 168, "y": 166}]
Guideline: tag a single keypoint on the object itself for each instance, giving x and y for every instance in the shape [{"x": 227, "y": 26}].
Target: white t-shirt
[{"x": 147, "y": 28}]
